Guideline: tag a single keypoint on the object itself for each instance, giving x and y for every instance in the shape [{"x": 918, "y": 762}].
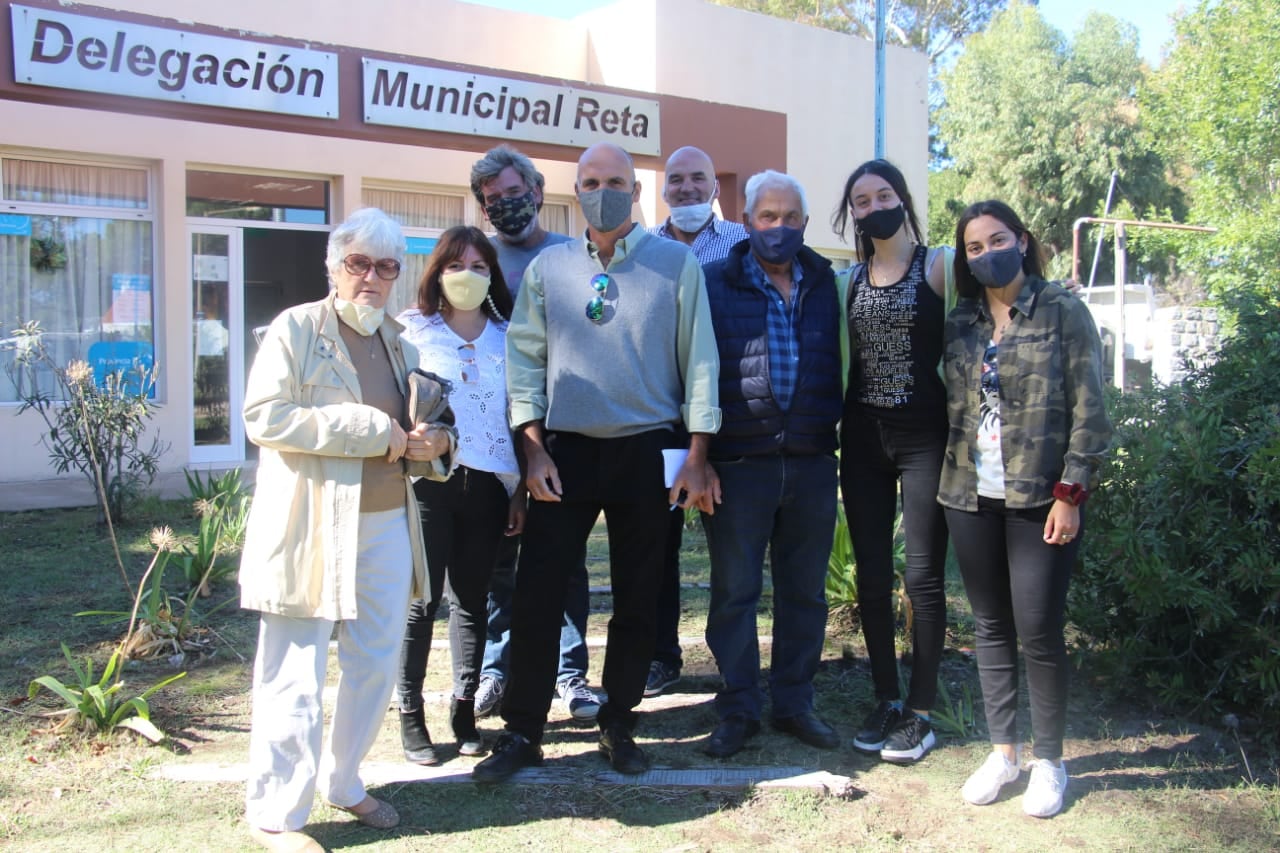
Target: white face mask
[
  {"x": 691, "y": 217},
  {"x": 465, "y": 289},
  {"x": 365, "y": 319}
]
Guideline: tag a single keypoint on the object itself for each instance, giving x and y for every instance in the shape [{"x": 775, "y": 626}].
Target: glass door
[{"x": 217, "y": 344}]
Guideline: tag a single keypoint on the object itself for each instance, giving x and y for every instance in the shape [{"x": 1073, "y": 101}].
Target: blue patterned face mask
[{"x": 996, "y": 268}]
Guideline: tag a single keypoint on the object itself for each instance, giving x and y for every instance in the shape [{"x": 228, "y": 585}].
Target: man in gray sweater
[{"x": 610, "y": 347}]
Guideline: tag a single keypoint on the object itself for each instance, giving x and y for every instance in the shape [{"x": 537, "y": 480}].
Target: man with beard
[{"x": 509, "y": 188}]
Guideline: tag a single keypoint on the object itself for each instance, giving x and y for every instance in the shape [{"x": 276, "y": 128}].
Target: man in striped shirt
[{"x": 689, "y": 190}]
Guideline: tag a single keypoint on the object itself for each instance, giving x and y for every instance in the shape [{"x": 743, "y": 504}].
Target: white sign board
[
  {"x": 90, "y": 54},
  {"x": 416, "y": 96}
]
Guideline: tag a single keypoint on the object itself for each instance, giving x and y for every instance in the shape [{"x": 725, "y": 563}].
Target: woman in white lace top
[{"x": 459, "y": 326}]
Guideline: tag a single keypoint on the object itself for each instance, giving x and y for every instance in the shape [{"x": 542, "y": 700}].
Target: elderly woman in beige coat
[{"x": 333, "y": 536}]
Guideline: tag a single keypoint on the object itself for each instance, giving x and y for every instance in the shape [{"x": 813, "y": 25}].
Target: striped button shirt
[{"x": 712, "y": 243}]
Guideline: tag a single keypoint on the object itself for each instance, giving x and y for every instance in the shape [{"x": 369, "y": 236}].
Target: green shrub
[
  {"x": 96, "y": 426},
  {"x": 1179, "y": 593}
]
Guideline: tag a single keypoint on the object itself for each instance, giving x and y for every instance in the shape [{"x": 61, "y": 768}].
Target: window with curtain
[
  {"x": 554, "y": 216},
  {"x": 418, "y": 210},
  {"x": 423, "y": 215},
  {"x": 76, "y": 255}
]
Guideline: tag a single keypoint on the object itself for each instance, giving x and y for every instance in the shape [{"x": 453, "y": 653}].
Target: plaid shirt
[
  {"x": 1053, "y": 421},
  {"x": 712, "y": 243},
  {"x": 784, "y": 348}
]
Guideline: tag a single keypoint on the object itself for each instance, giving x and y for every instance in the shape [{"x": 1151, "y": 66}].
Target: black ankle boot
[
  {"x": 415, "y": 740},
  {"x": 462, "y": 717}
]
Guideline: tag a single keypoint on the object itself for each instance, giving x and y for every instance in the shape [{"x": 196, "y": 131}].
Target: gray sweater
[{"x": 651, "y": 360}]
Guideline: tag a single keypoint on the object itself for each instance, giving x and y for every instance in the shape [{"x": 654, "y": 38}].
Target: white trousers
[{"x": 286, "y": 762}]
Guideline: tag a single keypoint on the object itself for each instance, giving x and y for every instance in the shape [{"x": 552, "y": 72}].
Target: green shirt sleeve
[
  {"x": 527, "y": 350},
  {"x": 697, "y": 356}
]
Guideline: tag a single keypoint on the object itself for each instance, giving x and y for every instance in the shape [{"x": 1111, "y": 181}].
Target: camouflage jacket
[{"x": 1053, "y": 421}]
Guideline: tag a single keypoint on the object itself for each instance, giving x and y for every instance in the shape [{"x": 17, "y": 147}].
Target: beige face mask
[
  {"x": 465, "y": 289},
  {"x": 365, "y": 319}
]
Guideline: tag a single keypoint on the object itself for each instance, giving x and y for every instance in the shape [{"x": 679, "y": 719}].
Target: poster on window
[{"x": 130, "y": 304}]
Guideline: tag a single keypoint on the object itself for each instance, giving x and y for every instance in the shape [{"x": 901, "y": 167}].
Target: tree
[
  {"x": 930, "y": 26},
  {"x": 1215, "y": 104},
  {"x": 1041, "y": 123}
]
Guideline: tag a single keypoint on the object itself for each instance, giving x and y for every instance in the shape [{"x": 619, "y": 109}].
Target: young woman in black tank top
[{"x": 894, "y": 432}]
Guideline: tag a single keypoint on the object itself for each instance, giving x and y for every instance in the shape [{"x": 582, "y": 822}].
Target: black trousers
[
  {"x": 623, "y": 478},
  {"x": 1017, "y": 587},
  {"x": 876, "y": 456},
  {"x": 463, "y": 520}
]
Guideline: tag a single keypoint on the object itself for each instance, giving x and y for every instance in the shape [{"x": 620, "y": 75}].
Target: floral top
[{"x": 477, "y": 370}]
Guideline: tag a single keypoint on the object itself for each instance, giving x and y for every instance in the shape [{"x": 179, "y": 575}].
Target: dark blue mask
[{"x": 776, "y": 245}]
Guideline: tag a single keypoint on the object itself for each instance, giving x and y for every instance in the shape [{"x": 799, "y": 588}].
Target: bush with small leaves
[{"x": 1179, "y": 594}]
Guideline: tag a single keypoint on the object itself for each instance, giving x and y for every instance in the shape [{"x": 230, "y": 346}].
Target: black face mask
[{"x": 882, "y": 224}]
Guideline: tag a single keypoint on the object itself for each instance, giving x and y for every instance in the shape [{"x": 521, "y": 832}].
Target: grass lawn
[{"x": 1138, "y": 781}]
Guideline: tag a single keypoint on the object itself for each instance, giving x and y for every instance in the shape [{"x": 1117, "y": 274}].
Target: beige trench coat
[{"x": 303, "y": 408}]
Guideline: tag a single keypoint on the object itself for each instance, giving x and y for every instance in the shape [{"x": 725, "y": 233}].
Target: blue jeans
[
  {"x": 573, "y": 631},
  {"x": 787, "y": 505}
]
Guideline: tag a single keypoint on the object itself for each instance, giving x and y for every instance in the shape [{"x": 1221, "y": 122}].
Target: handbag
[{"x": 428, "y": 403}]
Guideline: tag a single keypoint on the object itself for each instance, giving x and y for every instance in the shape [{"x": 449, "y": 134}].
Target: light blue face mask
[{"x": 691, "y": 217}]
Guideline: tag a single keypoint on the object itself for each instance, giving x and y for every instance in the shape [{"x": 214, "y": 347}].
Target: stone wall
[{"x": 1184, "y": 334}]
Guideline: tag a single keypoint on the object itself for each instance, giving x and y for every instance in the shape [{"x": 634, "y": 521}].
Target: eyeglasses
[
  {"x": 388, "y": 269},
  {"x": 595, "y": 306},
  {"x": 468, "y": 370}
]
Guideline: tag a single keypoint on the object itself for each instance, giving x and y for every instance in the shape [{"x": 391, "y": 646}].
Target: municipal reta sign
[
  {"x": 90, "y": 54},
  {"x": 461, "y": 102}
]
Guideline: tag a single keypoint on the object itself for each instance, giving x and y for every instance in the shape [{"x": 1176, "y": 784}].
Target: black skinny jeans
[
  {"x": 874, "y": 456},
  {"x": 463, "y": 520},
  {"x": 1017, "y": 587}
]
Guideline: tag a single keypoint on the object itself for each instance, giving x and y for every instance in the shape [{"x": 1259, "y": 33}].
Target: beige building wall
[{"x": 822, "y": 81}]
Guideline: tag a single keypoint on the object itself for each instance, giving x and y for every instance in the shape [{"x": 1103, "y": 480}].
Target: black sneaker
[
  {"x": 876, "y": 727},
  {"x": 511, "y": 752},
  {"x": 620, "y": 748},
  {"x": 660, "y": 678},
  {"x": 909, "y": 741}
]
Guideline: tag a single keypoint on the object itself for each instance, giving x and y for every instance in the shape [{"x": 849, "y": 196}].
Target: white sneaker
[
  {"x": 578, "y": 698},
  {"x": 1046, "y": 789},
  {"x": 985, "y": 783}
]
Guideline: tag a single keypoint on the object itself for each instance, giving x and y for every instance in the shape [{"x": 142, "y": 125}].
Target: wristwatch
[{"x": 1073, "y": 493}]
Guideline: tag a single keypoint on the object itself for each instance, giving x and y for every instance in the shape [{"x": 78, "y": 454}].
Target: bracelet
[{"x": 1073, "y": 493}]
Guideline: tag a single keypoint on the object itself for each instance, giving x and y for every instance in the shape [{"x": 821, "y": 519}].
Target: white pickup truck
[{"x": 1139, "y": 330}]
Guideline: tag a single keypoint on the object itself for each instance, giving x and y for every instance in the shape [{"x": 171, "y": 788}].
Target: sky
[{"x": 1150, "y": 16}]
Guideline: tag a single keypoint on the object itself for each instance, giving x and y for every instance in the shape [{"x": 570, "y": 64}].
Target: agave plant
[{"x": 99, "y": 704}]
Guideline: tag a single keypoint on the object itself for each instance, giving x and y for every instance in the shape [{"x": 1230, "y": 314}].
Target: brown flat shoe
[
  {"x": 382, "y": 815},
  {"x": 285, "y": 842}
]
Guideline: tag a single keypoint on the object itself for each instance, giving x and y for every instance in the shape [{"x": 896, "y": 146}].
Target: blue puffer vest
[{"x": 754, "y": 424}]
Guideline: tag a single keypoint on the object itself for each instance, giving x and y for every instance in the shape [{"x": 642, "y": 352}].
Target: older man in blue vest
[{"x": 777, "y": 320}]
